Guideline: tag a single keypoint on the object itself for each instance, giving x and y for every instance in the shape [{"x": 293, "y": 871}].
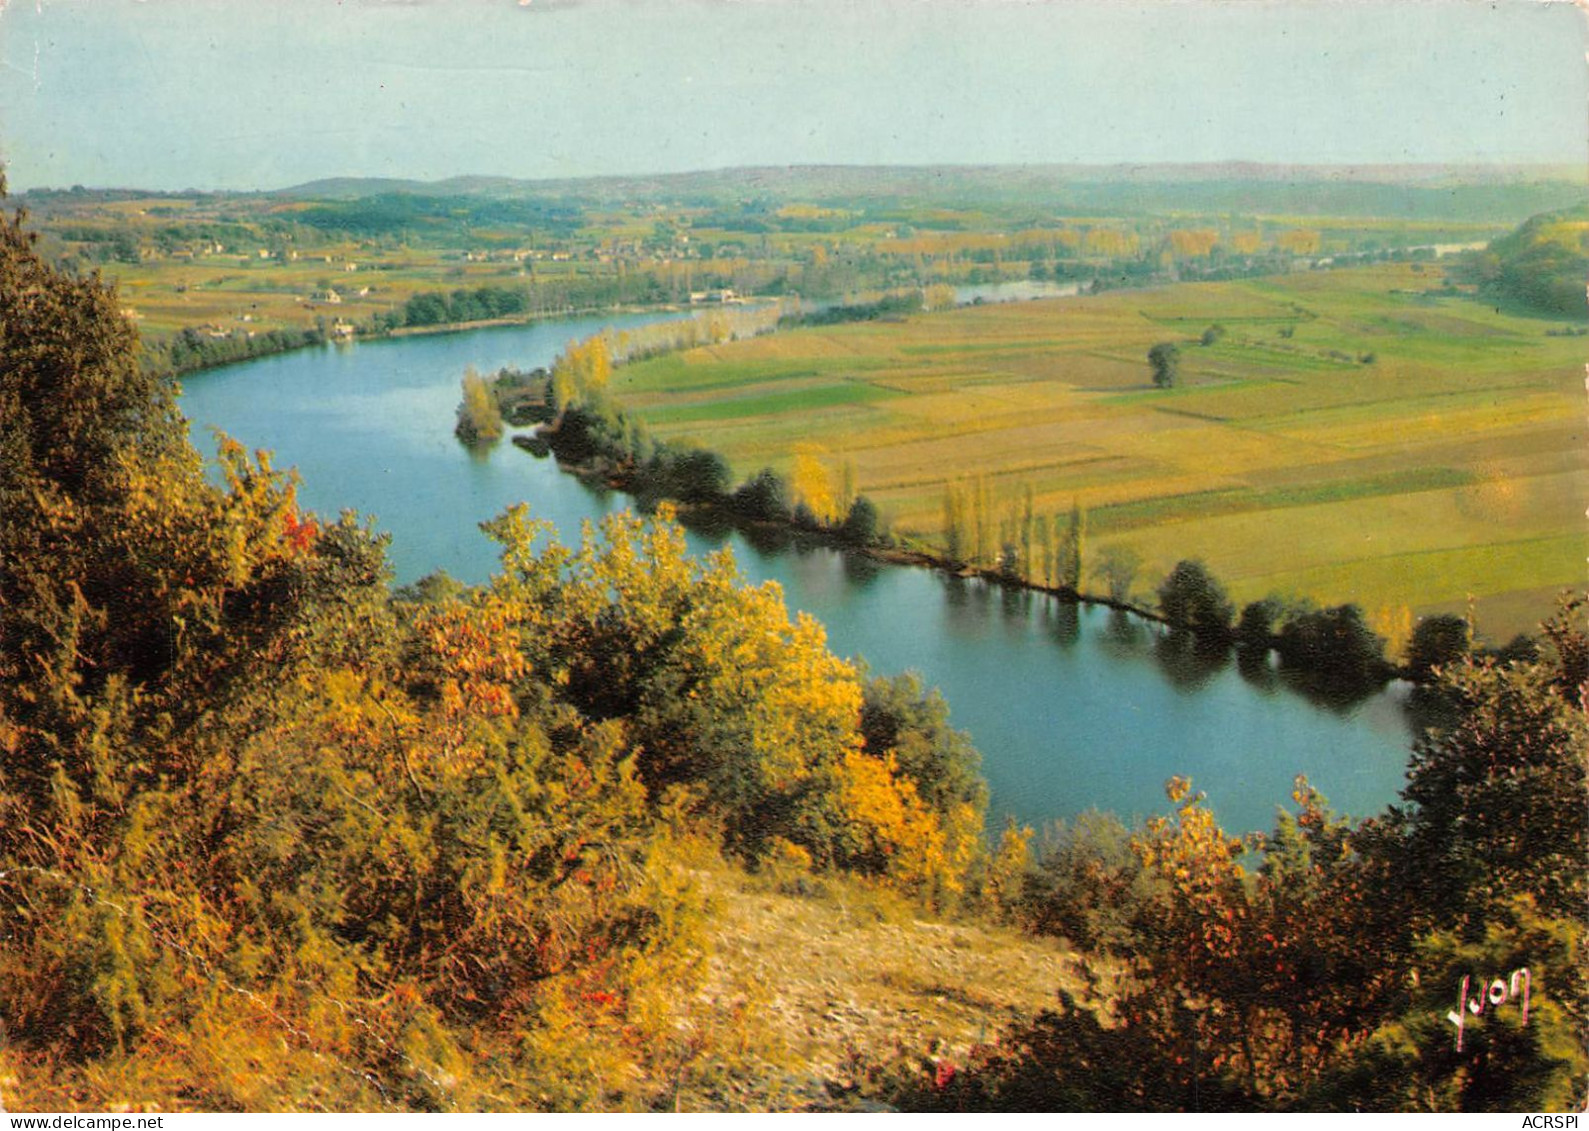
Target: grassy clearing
[{"x": 1352, "y": 436}]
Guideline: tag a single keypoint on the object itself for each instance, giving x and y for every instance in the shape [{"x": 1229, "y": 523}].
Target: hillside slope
[
  {"x": 822, "y": 984},
  {"x": 1542, "y": 266}
]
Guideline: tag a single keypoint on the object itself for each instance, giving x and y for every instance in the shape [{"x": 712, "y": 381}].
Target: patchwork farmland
[{"x": 1361, "y": 435}]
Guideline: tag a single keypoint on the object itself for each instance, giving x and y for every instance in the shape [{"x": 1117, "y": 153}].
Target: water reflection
[
  {"x": 1429, "y": 708},
  {"x": 1124, "y": 636},
  {"x": 1188, "y": 661},
  {"x": 1064, "y": 618},
  {"x": 1340, "y": 694},
  {"x": 770, "y": 541},
  {"x": 861, "y": 570},
  {"x": 1256, "y": 666},
  {"x": 710, "y": 523},
  {"x": 1016, "y": 603}
]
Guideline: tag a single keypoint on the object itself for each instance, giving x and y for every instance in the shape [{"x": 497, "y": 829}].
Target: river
[{"x": 1073, "y": 708}]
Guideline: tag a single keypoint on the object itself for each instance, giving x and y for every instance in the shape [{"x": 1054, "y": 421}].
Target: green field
[{"x": 1353, "y": 436}]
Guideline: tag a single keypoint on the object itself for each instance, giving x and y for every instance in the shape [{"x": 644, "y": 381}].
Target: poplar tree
[
  {"x": 1028, "y": 523},
  {"x": 1072, "y": 548},
  {"x": 1045, "y": 549},
  {"x": 956, "y": 544},
  {"x": 982, "y": 522},
  {"x": 847, "y": 484}
]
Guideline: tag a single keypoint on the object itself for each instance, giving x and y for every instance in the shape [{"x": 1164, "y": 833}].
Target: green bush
[
  {"x": 1436, "y": 642},
  {"x": 1191, "y": 598},
  {"x": 763, "y": 498}
]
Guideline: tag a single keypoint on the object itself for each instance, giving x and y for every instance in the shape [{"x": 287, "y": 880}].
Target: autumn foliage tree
[
  {"x": 731, "y": 703},
  {"x": 479, "y": 415},
  {"x": 812, "y": 484},
  {"x": 581, "y": 372}
]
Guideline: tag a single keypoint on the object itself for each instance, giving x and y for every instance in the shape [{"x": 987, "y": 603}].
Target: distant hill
[
  {"x": 1404, "y": 192},
  {"x": 1543, "y": 266}
]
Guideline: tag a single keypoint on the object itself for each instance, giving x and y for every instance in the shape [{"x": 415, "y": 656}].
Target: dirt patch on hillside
[{"x": 815, "y": 986}]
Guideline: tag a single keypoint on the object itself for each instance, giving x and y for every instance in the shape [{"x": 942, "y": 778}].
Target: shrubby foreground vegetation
[{"x": 274, "y": 836}]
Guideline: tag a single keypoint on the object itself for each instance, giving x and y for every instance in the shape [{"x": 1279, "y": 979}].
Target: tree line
[
  {"x": 1341, "y": 647},
  {"x": 192, "y": 349}
]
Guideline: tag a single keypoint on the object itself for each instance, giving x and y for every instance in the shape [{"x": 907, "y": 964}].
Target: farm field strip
[
  {"x": 791, "y": 400},
  {"x": 1493, "y": 573},
  {"x": 1459, "y": 414}
]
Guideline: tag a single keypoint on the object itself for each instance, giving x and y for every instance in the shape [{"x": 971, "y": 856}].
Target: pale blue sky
[{"x": 246, "y": 94}]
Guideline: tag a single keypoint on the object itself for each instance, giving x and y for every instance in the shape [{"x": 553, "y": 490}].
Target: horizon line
[{"x": 1566, "y": 170}]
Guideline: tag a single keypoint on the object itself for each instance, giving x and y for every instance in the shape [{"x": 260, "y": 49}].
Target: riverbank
[
  {"x": 621, "y": 475},
  {"x": 216, "y": 353},
  {"x": 1331, "y": 650},
  {"x": 521, "y": 320},
  {"x": 1339, "y": 646}
]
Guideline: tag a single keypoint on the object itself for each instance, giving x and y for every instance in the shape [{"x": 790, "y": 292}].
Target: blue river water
[{"x": 1072, "y": 707}]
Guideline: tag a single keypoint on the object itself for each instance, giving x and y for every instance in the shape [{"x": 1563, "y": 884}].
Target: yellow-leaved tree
[
  {"x": 479, "y": 415},
  {"x": 812, "y": 484}
]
